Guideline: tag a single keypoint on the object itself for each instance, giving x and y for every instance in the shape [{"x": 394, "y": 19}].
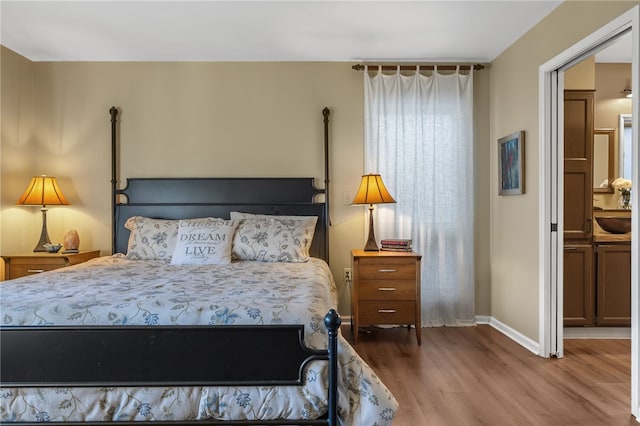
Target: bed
[{"x": 156, "y": 333}]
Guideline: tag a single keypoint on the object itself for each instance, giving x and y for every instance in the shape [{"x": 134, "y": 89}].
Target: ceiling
[
  {"x": 618, "y": 52},
  {"x": 146, "y": 30}
]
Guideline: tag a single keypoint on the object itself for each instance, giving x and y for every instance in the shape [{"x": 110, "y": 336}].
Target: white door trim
[
  {"x": 551, "y": 179},
  {"x": 551, "y": 86}
]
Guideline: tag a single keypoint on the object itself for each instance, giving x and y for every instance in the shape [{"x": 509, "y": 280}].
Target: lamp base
[
  {"x": 371, "y": 244},
  {"x": 40, "y": 246},
  {"x": 44, "y": 235}
]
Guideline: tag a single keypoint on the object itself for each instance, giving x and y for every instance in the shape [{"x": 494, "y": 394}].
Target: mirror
[
  {"x": 603, "y": 159},
  {"x": 624, "y": 146}
]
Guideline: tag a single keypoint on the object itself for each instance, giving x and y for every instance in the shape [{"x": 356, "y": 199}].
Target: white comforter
[{"x": 116, "y": 291}]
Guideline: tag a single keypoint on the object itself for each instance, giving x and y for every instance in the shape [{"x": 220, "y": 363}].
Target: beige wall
[
  {"x": 17, "y": 142},
  {"x": 196, "y": 119},
  {"x": 581, "y": 76},
  {"x": 514, "y": 106}
]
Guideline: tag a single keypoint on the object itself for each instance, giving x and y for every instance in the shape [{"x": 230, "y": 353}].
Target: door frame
[{"x": 551, "y": 170}]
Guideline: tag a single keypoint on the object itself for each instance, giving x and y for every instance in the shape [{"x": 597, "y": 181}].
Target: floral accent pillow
[
  {"x": 273, "y": 238},
  {"x": 204, "y": 242},
  {"x": 151, "y": 239}
]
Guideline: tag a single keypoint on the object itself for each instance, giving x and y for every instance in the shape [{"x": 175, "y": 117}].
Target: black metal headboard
[{"x": 187, "y": 198}]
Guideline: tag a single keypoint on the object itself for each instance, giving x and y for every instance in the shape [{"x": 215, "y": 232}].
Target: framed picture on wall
[{"x": 511, "y": 164}]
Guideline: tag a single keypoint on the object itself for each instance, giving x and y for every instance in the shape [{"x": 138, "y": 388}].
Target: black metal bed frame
[
  {"x": 273, "y": 355},
  {"x": 156, "y": 356},
  {"x": 187, "y": 198}
]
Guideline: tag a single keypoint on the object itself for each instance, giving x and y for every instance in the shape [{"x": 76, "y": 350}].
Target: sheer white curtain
[{"x": 419, "y": 137}]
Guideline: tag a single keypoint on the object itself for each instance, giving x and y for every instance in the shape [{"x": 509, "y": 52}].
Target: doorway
[{"x": 551, "y": 79}]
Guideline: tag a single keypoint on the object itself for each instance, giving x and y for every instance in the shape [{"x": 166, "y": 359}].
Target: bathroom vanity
[{"x": 597, "y": 278}]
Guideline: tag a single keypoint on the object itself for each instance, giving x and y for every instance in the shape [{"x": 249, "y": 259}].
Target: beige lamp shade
[
  {"x": 372, "y": 191},
  {"x": 42, "y": 191}
]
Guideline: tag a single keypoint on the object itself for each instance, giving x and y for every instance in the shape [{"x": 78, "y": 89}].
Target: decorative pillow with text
[{"x": 204, "y": 242}]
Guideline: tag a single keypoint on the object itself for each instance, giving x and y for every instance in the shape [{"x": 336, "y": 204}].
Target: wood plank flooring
[{"x": 477, "y": 376}]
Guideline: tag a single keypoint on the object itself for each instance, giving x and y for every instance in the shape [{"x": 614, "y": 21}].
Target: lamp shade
[
  {"x": 372, "y": 191},
  {"x": 42, "y": 191}
]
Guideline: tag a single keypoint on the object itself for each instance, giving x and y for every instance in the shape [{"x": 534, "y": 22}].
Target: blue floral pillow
[{"x": 273, "y": 238}]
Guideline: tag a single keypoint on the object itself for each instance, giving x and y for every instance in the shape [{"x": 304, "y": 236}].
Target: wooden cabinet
[
  {"x": 386, "y": 289},
  {"x": 17, "y": 266},
  {"x": 578, "y": 164},
  {"x": 578, "y": 277},
  {"x": 614, "y": 285},
  {"x": 597, "y": 285},
  {"x": 578, "y": 288}
]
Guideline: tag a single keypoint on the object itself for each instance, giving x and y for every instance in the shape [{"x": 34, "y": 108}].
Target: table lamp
[
  {"x": 372, "y": 191},
  {"x": 42, "y": 191}
]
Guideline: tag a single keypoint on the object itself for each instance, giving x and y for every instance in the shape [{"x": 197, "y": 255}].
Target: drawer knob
[
  {"x": 387, "y": 289},
  {"x": 387, "y": 270},
  {"x": 35, "y": 271},
  {"x": 386, "y": 311}
]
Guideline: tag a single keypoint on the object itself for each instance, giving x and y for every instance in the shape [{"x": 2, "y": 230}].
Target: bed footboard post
[{"x": 332, "y": 321}]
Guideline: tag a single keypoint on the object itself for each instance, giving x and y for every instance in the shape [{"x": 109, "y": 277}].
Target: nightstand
[
  {"x": 17, "y": 266},
  {"x": 385, "y": 290}
]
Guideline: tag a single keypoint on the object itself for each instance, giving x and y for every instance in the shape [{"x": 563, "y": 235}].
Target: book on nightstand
[{"x": 396, "y": 244}]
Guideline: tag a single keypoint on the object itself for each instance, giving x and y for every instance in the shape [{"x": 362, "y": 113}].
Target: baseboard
[
  {"x": 483, "y": 319},
  {"x": 512, "y": 334},
  {"x": 597, "y": 332}
]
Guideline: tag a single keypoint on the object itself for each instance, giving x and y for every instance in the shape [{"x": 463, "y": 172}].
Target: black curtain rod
[{"x": 447, "y": 67}]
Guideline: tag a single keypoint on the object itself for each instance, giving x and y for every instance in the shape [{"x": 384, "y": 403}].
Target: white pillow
[
  {"x": 273, "y": 238},
  {"x": 204, "y": 242},
  {"x": 151, "y": 239}
]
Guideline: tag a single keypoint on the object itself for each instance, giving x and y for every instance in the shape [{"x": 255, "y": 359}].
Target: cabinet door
[
  {"x": 578, "y": 158},
  {"x": 614, "y": 285},
  {"x": 578, "y": 291}
]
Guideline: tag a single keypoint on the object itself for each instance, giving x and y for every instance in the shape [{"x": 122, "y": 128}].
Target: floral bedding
[{"x": 114, "y": 290}]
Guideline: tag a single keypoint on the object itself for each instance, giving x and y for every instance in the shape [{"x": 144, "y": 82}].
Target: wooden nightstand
[
  {"x": 33, "y": 263},
  {"x": 386, "y": 289}
]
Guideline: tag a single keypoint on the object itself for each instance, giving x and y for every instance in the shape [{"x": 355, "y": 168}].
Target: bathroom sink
[{"x": 615, "y": 224}]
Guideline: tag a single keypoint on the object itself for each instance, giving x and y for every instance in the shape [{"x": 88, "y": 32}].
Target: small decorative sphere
[{"x": 332, "y": 320}]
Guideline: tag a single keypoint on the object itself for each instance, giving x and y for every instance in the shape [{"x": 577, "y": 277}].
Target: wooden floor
[{"x": 478, "y": 376}]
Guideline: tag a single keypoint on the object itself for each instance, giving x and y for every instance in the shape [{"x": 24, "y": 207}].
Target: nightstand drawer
[
  {"x": 18, "y": 270},
  {"x": 389, "y": 312},
  {"x": 387, "y": 269},
  {"x": 387, "y": 289}
]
